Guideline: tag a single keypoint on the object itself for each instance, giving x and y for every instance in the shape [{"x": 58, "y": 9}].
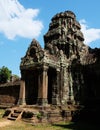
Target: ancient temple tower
[{"x": 50, "y": 75}]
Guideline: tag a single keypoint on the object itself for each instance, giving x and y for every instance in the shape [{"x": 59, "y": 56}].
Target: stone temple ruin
[
  {"x": 48, "y": 75},
  {"x": 66, "y": 72}
]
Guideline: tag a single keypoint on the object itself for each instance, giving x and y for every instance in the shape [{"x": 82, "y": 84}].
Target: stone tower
[{"x": 53, "y": 75}]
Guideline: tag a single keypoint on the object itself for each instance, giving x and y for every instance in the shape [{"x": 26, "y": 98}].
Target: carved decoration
[
  {"x": 64, "y": 31},
  {"x": 34, "y": 54}
]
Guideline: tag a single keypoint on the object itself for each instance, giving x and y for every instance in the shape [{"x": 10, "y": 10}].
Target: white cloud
[
  {"x": 90, "y": 34},
  {"x": 15, "y": 20}
]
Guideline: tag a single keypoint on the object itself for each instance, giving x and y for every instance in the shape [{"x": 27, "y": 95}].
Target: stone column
[
  {"x": 64, "y": 85},
  {"x": 43, "y": 87},
  {"x": 71, "y": 95},
  {"x": 55, "y": 98},
  {"x": 21, "y": 100}
]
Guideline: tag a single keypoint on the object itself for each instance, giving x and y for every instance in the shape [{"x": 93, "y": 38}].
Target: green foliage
[
  {"x": 5, "y": 74},
  {"x": 39, "y": 115}
]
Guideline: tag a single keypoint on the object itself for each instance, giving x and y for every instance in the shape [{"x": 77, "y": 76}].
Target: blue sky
[{"x": 23, "y": 20}]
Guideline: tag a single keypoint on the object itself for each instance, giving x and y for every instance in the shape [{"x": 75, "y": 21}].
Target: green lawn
[{"x": 20, "y": 125}]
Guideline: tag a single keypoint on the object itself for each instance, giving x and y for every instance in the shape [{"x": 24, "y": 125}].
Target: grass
[
  {"x": 20, "y": 125},
  {"x": 1, "y": 113}
]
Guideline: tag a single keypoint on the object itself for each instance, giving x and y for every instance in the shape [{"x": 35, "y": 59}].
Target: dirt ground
[{"x": 5, "y": 123}]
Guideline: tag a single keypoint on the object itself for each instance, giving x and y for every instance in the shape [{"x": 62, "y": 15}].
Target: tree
[{"x": 5, "y": 74}]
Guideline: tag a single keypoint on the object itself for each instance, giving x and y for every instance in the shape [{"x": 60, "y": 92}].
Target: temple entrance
[
  {"x": 31, "y": 83},
  {"x": 51, "y": 84}
]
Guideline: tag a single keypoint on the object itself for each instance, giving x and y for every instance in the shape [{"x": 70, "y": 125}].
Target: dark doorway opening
[
  {"x": 31, "y": 83},
  {"x": 51, "y": 83}
]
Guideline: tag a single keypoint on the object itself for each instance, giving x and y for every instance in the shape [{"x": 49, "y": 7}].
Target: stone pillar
[
  {"x": 43, "y": 87},
  {"x": 64, "y": 85},
  {"x": 55, "y": 98},
  {"x": 21, "y": 100},
  {"x": 71, "y": 94}
]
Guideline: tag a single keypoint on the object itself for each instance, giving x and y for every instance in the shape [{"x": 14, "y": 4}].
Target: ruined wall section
[{"x": 9, "y": 94}]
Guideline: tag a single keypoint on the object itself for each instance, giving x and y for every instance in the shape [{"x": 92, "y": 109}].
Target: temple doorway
[
  {"x": 51, "y": 83},
  {"x": 31, "y": 83}
]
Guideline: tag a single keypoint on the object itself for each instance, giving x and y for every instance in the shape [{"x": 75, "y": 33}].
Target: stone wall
[{"x": 9, "y": 95}]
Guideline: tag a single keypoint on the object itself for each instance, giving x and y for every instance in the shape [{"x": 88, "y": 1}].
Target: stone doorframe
[{"x": 42, "y": 89}]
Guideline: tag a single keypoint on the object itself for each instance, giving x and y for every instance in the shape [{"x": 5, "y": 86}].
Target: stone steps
[
  {"x": 15, "y": 114},
  {"x": 11, "y": 118}
]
